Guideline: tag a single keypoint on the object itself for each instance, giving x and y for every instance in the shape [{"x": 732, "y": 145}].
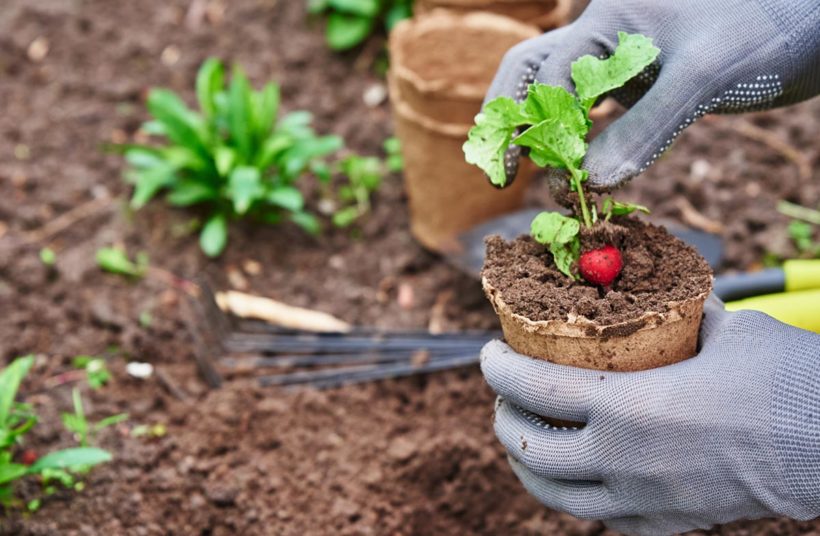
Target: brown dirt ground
[{"x": 415, "y": 456}]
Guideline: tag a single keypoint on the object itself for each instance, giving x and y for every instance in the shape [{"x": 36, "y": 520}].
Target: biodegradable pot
[
  {"x": 546, "y": 14},
  {"x": 441, "y": 66},
  {"x": 649, "y": 341}
]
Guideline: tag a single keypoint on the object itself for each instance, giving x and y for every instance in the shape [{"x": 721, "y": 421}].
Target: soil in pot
[{"x": 663, "y": 282}]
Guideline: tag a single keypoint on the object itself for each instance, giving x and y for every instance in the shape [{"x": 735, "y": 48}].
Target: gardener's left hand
[{"x": 731, "y": 433}]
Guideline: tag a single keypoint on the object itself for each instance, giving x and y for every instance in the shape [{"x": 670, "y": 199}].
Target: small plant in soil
[
  {"x": 95, "y": 369},
  {"x": 115, "y": 260},
  {"x": 17, "y": 462},
  {"x": 77, "y": 423},
  {"x": 361, "y": 176},
  {"x": 350, "y": 22},
  {"x": 237, "y": 157},
  {"x": 552, "y": 124}
]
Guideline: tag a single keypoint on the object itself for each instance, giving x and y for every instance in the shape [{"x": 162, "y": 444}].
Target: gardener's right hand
[
  {"x": 732, "y": 433},
  {"x": 716, "y": 57}
]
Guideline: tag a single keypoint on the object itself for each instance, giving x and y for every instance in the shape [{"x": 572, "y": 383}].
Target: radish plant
[
  {"x": 236, "y": 157},
  {"x": 350, "y": 22},
  {"x": 553, "y": 124},
  {"x": 362, "y": 175},
  {"x": 16, "y": 419}
]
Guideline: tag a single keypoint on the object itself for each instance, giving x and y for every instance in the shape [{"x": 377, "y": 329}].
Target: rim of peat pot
[
  {"x": 652, "y": 340},
  {"x": 546, "y": 14}
]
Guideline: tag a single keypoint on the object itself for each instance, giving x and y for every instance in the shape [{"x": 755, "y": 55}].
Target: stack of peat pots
[{"x": 441, "y": 65}]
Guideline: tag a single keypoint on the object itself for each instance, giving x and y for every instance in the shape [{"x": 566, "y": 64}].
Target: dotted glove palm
[
  {"x": 716, "y": 57},
  {"x": 733, "y": 433}
]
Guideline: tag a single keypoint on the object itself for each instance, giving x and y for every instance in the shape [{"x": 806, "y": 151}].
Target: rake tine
[
  {"x": 350, "y": 375},
  {"x": 215, "y": 317},
  {"x": 301, "y": 345},
  {"x": 295, "y": 360}
]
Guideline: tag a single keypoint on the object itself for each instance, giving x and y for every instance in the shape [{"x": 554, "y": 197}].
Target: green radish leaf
[
  {"x": 69, "y": 458},
  {"x": 225, "y": 158},
  {"x": 552, "y": 102},
  {"x": 265, "y": 106},
  {"x": 209, "y": 81},
  {"x": 144, "y": 157},
  {"x": 147, "y": 182},
  {"x": 365, "y": 8},
  {"x": 10, "y": 379},
  {"x": 552, "y": 227},
  {"x": 240, "y": 115},
  {"x": 307, "y": 221},
  {"x": 489, "y": 139},
  {"x": 346, "y": 216},
  {"x": 286, "y": 197},
  {"x": 553, "y": 144},
  {"x": 214, "y": 235},
  {"x": 611, "y": 207},
  {"x": 344, "y": 32},
  {"x": 110, "y": 421},
  {"x": 317, "y": 6},
  {"x": 116, "y": 261},
  {"x": 396, "y": 13},
  {"x": 12, "y": 471},
  {"x": 560, "y": 234},
  {"x": 182, "y": 125},
  {"x": 189, "y": 192},
  {"x": 244, "y": 187},
  {"x": 594, "y": 77},
  {"x": 272, "y": 148}
]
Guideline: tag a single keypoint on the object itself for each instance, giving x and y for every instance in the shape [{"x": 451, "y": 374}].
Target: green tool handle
[
  {"x": 802, "y": 274},
  {"x": 800, "y": 308}
]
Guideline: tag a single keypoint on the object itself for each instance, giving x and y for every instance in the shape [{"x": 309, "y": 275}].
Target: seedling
[
  {"x": 95, "y": 369},
  {"x": 363, "y": 176},
  {"x": 235, "y": 156},
  {"x": 78, "y": 424},
  {"x": 553, "y": 125},
  {"x": 17, "y": 418},
  {"x": 350, "y": 22},
  {"x": 116, "y": 261}
]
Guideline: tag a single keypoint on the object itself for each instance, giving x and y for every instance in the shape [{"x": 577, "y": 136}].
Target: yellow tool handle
[
  {"x": 800, "y": 308},
  {"x": 802, "y": 274}
]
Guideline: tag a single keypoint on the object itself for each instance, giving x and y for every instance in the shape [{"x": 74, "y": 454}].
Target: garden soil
[
  {"x": 415, "y": 456},
  {"x": 658, "y": 269}
]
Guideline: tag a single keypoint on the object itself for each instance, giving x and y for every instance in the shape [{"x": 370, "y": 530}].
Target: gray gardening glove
[
  {"x": 733, "y": 433},
  {"x": 716, "y": 57}
]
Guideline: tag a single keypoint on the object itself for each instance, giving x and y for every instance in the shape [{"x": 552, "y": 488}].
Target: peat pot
[{"x": 441, "y": 66}]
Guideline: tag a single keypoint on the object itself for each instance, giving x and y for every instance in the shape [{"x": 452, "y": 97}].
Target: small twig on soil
[
  {"x": 754, "y": 132},
  {"x": 249, "y": 306},
  {"x": 691, "y": 216},
  {"x": 67, "y": 219},
  {"x": 63, "y": 378},
  {"x": 170, "y": 385},
  {"x": 799, "y": 212}
]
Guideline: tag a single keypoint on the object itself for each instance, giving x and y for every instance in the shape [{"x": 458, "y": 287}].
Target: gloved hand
[
  {"x": 716, "y": 57},
  {"x": 732, "y": 433}
]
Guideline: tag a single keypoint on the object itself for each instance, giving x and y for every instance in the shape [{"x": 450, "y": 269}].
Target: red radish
[
  {"x": 601, "y": 266},
  {"x": 28, "y": 457}
]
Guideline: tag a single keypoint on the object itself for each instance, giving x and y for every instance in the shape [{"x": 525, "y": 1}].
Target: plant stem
[
  {"x": 577, "y": 179},
  {"x": 799, "y": 212}
]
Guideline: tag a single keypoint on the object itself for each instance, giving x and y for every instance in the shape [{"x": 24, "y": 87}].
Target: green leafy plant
[
  {"x": 350, "y": 22},
  {"x": 116, "y": 261},
  {"x": 553, "y": 125},
  {"x": 17, "y": 418},
  {"x": 236, "y": 157},
  {"x": 95, "y": 369},
  {"x": 78, "y": 424},
  {"x": 362, "y": 176}
]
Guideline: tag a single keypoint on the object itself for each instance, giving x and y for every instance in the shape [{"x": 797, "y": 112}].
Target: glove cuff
[{"x": 795, "y": 416}]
